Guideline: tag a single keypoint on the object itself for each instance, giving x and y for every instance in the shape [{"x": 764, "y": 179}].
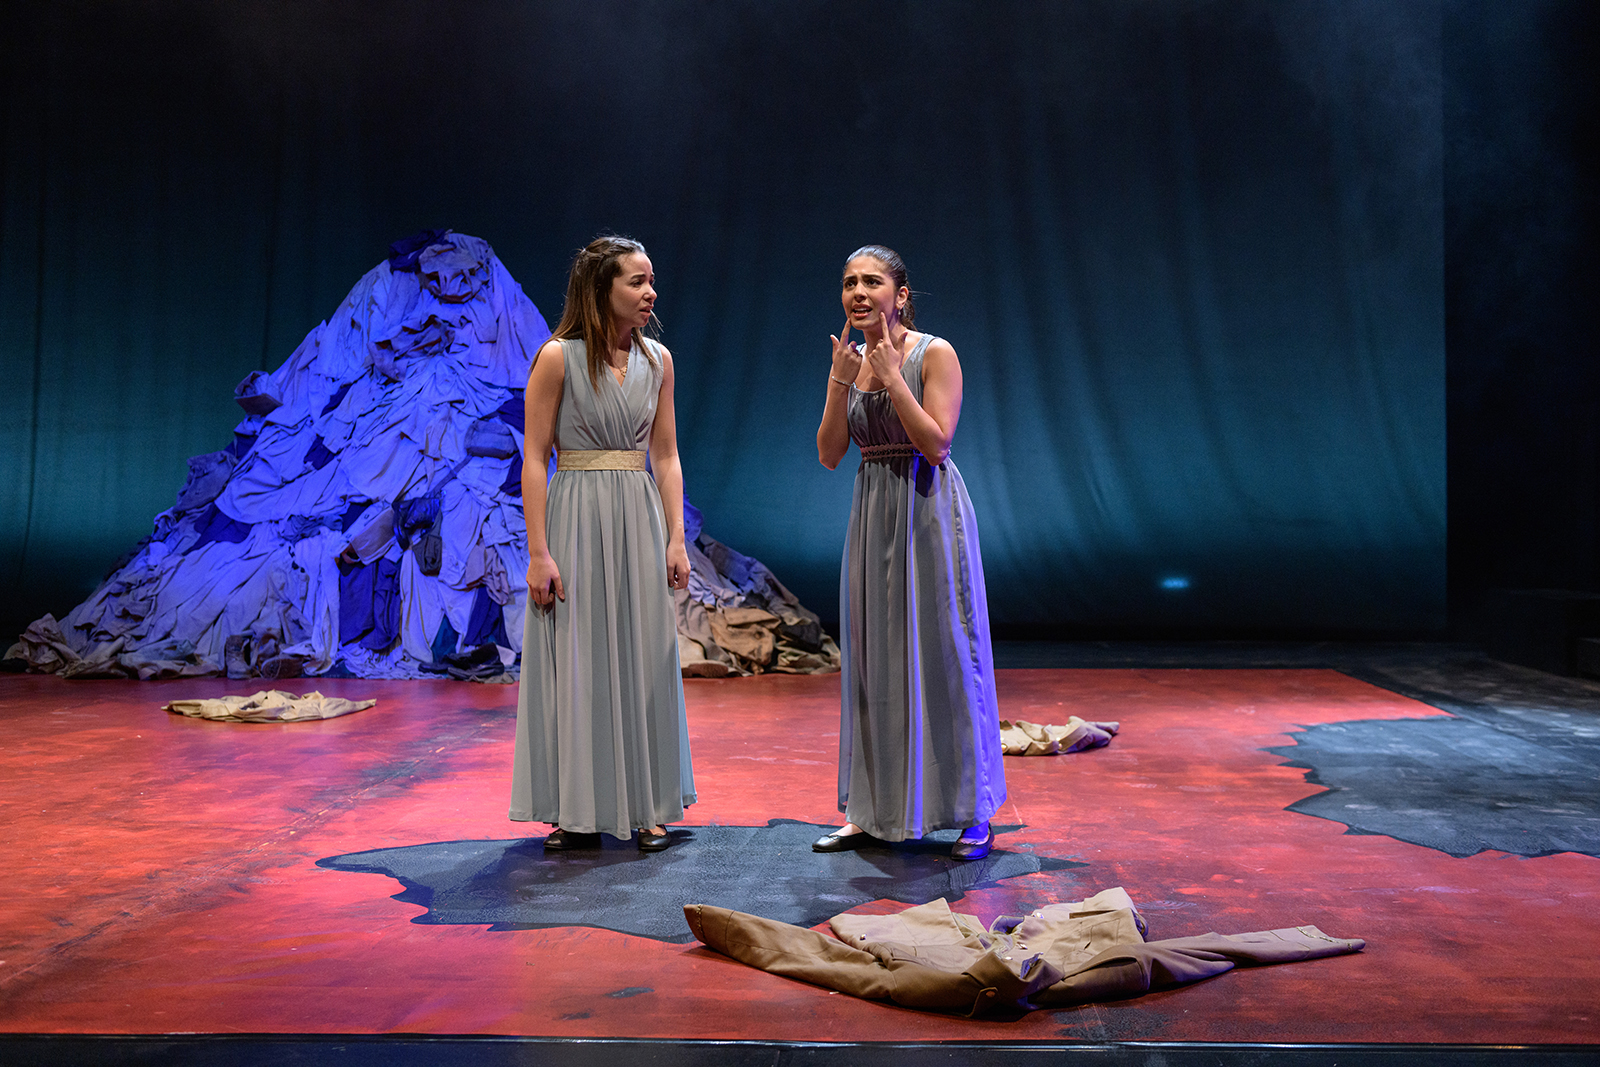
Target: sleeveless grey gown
[
  {"x": 602, "y": 741},
  {"x": 919, "y": 725}
]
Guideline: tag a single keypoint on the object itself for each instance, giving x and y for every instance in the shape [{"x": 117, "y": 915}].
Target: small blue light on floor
[{"x": 1175, "y": 582}]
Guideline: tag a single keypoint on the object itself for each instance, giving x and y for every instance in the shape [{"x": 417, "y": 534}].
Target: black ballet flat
[
  {"x": 837, "y": 842},
  {"x": 649, "y": 841},
  {"x": 972, "y": 850},
  {"x": 564, "y": 840}
]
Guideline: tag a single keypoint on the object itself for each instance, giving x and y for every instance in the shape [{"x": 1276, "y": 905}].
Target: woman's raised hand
[
  {"x": 884, "y": 355},
  {"x": 846, "y": 360}
]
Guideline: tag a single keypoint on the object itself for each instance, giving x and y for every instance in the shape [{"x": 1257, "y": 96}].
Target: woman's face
[
  {"x": 633, "y": 294},
  {"x": 869, "y": 291}
]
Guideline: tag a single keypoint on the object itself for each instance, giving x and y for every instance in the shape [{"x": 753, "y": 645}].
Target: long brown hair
[
  {"x": 897, "y": 271},
  {"x": 586, "y": 316}
]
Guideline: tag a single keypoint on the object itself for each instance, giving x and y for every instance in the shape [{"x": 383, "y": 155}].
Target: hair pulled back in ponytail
[{"x": 897, "y": 270}]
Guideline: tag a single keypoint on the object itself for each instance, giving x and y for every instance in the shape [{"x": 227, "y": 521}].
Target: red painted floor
[{"x": 160, "y": 877}]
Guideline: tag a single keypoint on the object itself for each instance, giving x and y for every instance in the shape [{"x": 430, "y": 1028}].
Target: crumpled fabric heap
[
  {"x": 271, "y": 705},
  {"x": 44, "y": 649},
  {"x": 349, "y": 523},
  {"x": 931, "y": 958},
  {"x": 736, "y": 618},
  {"x": 1018, "y": 738},
  {"x": 366, "y": 519}
]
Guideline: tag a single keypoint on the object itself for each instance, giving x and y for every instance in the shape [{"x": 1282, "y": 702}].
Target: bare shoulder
[
  {"x": 548, "y": 363},
  {"x": 940, "y": 355},
  {"x": 550, "y": 350}
]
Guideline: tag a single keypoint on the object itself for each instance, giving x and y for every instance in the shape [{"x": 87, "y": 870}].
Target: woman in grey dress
[
  {"x": 602, "y": 743},
  {"x": 919, "y": 729}
]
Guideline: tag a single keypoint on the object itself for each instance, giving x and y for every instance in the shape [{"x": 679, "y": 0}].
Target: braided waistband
[
  {"x": 600, "y": 459},
  {"x": 882, "y": 452}
]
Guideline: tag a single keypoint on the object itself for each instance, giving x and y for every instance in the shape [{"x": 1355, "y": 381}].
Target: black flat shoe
[
  {"x": 649, "y": 841},
  {"x": 837, "y": 842},
  {"x": 561, "y": 840},
  {"x": 972, "y": 850}
]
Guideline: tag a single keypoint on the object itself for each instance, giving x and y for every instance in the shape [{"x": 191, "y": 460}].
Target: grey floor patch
[
  {"x": 1517, "y": 770},
  {"x": 1451, "y": 784},
  {"x": 765, "y": 870}
]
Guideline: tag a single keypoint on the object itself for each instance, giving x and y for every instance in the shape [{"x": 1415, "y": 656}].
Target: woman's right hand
[
  {"x": 846, "y": 360},
  {"x": 544, "y": 581}
]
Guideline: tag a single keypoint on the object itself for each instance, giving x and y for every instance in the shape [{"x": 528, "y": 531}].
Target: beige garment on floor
[
  {"x": 931, "y": 958},
  {"x": 269, "y": 705},
  {"x": 1019, "y": 738}
]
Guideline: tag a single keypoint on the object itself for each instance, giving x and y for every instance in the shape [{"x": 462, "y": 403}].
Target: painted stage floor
[{"x": 168, "y": 875}]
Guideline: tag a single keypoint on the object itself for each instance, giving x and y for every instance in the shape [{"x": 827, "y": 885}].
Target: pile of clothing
[
  {"x": 1058, "y": 956},
  {"x": 366, "y": 519},
  {"x": 737, "y": 618}
]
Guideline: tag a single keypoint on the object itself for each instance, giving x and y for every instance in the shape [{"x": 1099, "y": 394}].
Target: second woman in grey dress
[
  {"x": 602, "y": 743},
  {"x": 919, "y": 725}
]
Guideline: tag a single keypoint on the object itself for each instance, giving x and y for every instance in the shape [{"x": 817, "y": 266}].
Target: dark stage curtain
[
  {"x": 1522, "y": 240},
  {"x": 1189, "y": 253}
]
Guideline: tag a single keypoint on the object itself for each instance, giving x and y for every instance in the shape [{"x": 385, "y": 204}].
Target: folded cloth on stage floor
[
  {"x": 931, "y": 958},
  {"x": 269, "y": 705},
  {"x": 1018, "y": 738}
]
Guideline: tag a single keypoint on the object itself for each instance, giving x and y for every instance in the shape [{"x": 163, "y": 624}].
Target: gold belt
[
  {"x": 871, "y": 452},
  {"x": 600, "y": 459}
]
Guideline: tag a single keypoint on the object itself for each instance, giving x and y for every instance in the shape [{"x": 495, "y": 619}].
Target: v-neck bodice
[
  {"x": 612, "y": 414},
  {"x": 872, "y": 417}
]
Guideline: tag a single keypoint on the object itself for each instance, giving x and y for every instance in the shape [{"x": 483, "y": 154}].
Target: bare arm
[
  {"x": 833, "y": 436},
  {"x": 931, "y": 425},
  {"x": 541, "y": 402},
  {"x": 669, "y": 476}
]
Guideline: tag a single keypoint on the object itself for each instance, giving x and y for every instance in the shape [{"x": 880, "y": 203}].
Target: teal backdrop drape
[{"x": 1190, "y": 254}]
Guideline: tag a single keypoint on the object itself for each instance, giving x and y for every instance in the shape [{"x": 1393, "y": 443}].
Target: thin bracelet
[{"x": 831, "y": 378}]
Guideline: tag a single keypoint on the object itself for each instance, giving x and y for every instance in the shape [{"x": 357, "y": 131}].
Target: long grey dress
[
  {"x": 919, "y": 728},
  {"x": 602, "y": 740}
]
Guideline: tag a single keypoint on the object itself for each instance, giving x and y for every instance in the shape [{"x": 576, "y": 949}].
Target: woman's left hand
[
  {"x": 677, "y": 566},
  {"x": 884, "y": 355}
]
